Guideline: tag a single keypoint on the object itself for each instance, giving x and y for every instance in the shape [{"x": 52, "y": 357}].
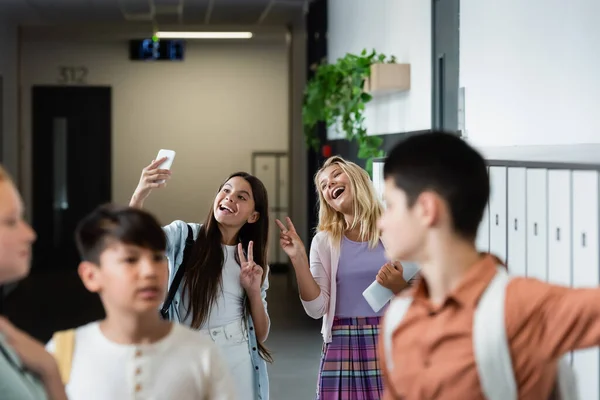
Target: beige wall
[{"x": 223, "y": 102}]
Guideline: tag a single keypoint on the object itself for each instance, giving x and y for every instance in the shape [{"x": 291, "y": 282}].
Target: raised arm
[
  {"x": 562, "y": 318},
  {"x": 313, "y": 282},
  {"x": 152, "y": 178}
]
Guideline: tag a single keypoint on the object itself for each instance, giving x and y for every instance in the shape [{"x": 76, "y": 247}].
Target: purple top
[{"x": 357, "y": 269}]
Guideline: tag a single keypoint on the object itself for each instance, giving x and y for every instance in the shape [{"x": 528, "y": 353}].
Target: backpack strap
[
  {"x": 64, "y": 346},
  {"x": 393, "y": 318},
  {"x": 189, "y": 243},
  {"x": 490, "y": 343},
  {"x": 566, "y": 382}
]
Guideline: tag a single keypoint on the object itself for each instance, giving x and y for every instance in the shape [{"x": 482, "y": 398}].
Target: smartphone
[
  {"x": 168, "y": 163},
  {"x": 378, "y": 296}
]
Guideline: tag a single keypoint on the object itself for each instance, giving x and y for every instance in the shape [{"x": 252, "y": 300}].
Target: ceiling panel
[
  {"x": 135, "y": 6},
  {"x": 239, "y": 14},
  {"x": 194, "y": 11},
  {"x": 283, "y": 13},
  {"x": 247, "y": 3},
  {"x": 76, "y": 10},
  {"x": 168, "y": 3}
]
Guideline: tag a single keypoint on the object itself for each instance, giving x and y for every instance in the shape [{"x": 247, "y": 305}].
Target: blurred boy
[
  {"x": 133, "y": 353},
  {"x": 436, "y": 190}
]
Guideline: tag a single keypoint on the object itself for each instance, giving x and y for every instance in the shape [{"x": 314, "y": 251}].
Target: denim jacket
[{"x": 176, "y": 233}]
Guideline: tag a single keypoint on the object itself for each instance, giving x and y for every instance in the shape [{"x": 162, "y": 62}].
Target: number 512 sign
[{"x": 72, "y": 75}]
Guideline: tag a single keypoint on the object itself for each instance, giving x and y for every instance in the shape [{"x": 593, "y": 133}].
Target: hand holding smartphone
[{"x": 168, "y": 163}]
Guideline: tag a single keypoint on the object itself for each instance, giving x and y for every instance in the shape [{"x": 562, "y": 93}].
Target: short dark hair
[
  {"x": 110, "y": 223},
  {"x": 443, "y": 163}
]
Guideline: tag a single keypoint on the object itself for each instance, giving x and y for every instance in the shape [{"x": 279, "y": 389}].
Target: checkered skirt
[{"x": 349, "y": 366}]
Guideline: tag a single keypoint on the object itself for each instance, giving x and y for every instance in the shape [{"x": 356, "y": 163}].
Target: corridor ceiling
[{"x": 193, "y": 12}]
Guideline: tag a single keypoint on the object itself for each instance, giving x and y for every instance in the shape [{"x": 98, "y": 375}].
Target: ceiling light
[{"x": 204, "y": 35}]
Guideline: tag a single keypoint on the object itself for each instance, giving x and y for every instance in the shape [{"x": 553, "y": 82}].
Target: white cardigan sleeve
[{"x": 320, "y": 269}]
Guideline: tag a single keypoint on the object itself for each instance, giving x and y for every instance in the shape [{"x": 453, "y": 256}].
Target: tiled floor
[{"x": 296, "y": 343}]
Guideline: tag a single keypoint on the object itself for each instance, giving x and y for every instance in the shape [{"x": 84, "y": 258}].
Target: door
[
  {"x": 71, "y": 175},
  {"x": 445, "y": 64},
  {"x": 586, "y": 270},
  {"x": 272, "y": 169},
  {"x": 498, "y": 212},
  {"x": 537, "y": 230},
  {"x": 71, "y": 166},
  {"x": 517, "y": 224},
  {"x": 559, "y": 227}
]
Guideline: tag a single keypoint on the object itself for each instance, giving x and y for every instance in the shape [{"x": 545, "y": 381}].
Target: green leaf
[{"x": 335, "y": 96}]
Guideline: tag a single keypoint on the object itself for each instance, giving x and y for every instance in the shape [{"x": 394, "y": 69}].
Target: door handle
[
  {"x": 558, "y": 234},
  {"x": 497, "y": 220},
  {"x": 583, "y": 239},
  {"x": 516, "y": 226},
  {"x": 535, "y": 229}
]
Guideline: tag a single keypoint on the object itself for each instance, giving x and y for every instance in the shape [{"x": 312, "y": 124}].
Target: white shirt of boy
[{"x": 183, "y": 365}]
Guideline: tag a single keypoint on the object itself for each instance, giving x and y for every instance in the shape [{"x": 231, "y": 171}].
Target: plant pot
[{"x": 388, "y": 78}]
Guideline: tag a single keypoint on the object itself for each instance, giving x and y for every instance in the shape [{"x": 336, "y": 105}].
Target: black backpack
[{"x": 189, "y": 243}]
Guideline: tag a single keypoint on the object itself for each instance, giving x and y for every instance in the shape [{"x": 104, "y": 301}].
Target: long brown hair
[{"x": 203, "y": 277}]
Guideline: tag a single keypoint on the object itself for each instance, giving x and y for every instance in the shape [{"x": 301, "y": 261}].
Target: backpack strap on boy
[
  {"x": 490, "y": 343},
  {"x": 392, "y": 319},
  {"x": 189, "y": 243},
  {"x": 64, "y": 347},
  {"x": 492, "y": 352}
]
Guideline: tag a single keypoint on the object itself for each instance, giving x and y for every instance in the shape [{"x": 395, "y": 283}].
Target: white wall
[
  {"x": 223, "y": 102},
  {"x": 530, "y": 71},
  {"x": 393, "y": 27},
  {"x": 8, "y": 71}
]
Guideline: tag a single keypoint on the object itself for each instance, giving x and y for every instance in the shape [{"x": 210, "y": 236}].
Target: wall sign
[{"x": 72, "y": 75}]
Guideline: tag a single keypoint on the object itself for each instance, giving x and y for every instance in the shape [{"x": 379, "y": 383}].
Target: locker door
[
  {"x": 378, "y": 181},
  {"x": 483, "y": 233},
  {"x": 559, "y": 227},
  {"x": 517, "y": 226},
  {"x": 498, "y": 212},
  {"x": 537, "y": 230},
  {"x": 586, "y": 270}
]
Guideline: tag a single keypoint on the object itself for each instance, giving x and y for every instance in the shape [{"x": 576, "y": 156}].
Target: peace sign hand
[
  {"x": 289, "y": 240},
  {"x": 251, "y": 273}
]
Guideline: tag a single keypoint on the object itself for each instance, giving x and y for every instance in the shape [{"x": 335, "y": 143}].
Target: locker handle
[
  {"x": 497, "y": 220},
  {"x": 535, "y": 228},
  {"x": 558, "y": 234},
  {"x": 516, "y": 226},
  {"x": 583, "y": 239}
]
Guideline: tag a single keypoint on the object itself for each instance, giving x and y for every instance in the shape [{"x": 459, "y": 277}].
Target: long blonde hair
[{"x": 366, "y": 206}]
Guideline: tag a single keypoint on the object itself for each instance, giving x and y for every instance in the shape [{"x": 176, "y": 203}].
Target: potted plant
[{"x": 337, "y": 95}]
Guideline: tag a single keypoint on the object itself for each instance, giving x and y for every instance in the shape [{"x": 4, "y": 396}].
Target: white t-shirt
[
  {"x": 184, "y": 365},
  {"x": 227, "y": 307}
]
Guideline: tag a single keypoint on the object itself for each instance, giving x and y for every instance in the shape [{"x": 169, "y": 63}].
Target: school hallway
[{"x": 295, "y": 341}]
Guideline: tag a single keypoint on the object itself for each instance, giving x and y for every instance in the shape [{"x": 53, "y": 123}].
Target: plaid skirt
[{"x": 349, "y": 366}]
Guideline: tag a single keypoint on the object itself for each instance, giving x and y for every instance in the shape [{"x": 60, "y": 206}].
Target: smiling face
[
  {"x": 234, "y": 204},
  {"x": 336, "y": 189},
  {"x": 16, "y": 236}
]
